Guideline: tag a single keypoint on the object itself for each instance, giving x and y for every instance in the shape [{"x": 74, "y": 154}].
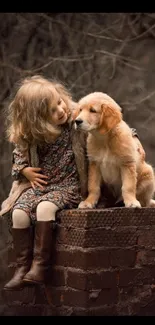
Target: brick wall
[{"x": 103, "y": 264}]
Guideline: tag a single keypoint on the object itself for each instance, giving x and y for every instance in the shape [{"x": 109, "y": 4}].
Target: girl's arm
[{"x": 21, "y": 169}]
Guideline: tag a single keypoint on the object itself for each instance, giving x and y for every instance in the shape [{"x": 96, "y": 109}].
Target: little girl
[{"x": 50, "y": 159}]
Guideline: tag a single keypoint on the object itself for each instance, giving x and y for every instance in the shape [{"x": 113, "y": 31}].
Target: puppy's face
[
  {"x": 101, "y": 115},
  {"x": 88, "y": 117}
]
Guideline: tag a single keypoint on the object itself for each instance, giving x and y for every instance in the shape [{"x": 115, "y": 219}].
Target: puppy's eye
[
  {"x": 92, "y": 110},
  {"x": 80, "y": 109}
]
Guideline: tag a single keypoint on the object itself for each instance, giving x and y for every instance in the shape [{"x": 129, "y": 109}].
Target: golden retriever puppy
[{"x": 116, "y": 157}]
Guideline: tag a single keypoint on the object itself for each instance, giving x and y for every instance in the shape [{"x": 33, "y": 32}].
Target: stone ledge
[{"x": 103, "y": 263}]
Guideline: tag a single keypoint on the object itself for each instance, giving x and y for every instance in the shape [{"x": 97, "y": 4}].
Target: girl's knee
[
  {"x": 20, "y": 219},
  {"x": 46, "y": 211}
]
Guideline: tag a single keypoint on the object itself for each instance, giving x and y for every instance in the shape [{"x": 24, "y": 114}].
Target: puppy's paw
[
  {"x": 152, "y": 204},
  {"x": 85, "y": 205},
  {"x": 133, "y": 204}
]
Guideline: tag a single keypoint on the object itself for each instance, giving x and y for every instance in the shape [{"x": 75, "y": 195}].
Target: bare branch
[{"x": 141, "y": 100}]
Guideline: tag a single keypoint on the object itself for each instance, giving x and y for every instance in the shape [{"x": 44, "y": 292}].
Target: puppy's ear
[{"x": 110, "y": 117}]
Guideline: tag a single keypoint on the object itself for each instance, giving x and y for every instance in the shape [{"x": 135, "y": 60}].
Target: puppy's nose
[{"x": 78, "y": 121}]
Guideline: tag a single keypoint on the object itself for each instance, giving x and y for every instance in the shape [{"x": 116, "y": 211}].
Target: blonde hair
[{"x": 29, "y": 112}]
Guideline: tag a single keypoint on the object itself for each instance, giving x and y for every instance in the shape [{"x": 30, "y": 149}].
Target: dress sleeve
[{"x": 19, "y": 161}]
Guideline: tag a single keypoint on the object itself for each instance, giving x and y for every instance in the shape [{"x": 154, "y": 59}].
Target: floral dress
[{"x": 57, "y": 161}]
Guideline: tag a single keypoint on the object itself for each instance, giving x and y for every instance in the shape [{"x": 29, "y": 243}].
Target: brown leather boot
[
  {"x": 42, "y": 253},
  {"x": 23, "y": 246}
]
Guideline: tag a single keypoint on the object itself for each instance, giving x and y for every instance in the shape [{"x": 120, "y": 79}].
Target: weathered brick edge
[{"x": 103, "y": 264}]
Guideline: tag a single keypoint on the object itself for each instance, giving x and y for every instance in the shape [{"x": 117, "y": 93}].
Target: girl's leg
[
  {"x": 46, "y": 211},
  {"x": 42, "y": 258},
  {"x": 20, "y": 219},
  {"x": 23, "y": 246}
]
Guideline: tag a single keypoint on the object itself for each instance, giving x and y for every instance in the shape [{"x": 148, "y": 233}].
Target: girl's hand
[{"x": 33, "y": 175}]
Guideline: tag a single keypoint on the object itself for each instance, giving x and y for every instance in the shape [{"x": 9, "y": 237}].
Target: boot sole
[
  {"x": 32, "y": 281},
  {"x": 14, "y": 289}
]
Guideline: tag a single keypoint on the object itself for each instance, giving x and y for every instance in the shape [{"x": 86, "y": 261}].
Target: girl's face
[{"x": 58, "y": 110}]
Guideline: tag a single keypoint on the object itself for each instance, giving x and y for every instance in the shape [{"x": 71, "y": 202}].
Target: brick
[
  {"x": 135, "y": 297},
  {"x": 62, "y": 296},
  {"x": 69, "y": 236},
  {"x": 122, "y": 257},
  {"x": 50, "y": 311},
  {"x": 135, "y": 307},
  {"x": 91, "y": 280},
  {"x": 125, "y": 236},
  {"x": 101, "y": 279},
  {"x": 85, "y": 259},
  {"x": 102, "y": 311},
  {"x": 75, "y": 298},
  {"x": 58, "y": 276},
  {"x": 22, "y": 310},
  {"x": 95, "y": 311},
  {"x": 70, "y": 256},
  {"x": 59, "y": 311},
  {"x": 146, "y": 237},
  {"x": 129, "y": 292},
  {"x": 122, "y": 309},
  {"x": 147, "y": 309},
  {"x": 3, "y": 310},
  {"x": 135, "y": 276},
  {"x": 71, "y": 218},
  {"x": 77, "y": 279},
  {"x": 78, "y": 311},
  {"x": 26, "y": 295},
  {"x": 152, "y": 271},
  {"x": 146, "y": 302},
  {"x": 145, "y": 257},
  {"x": 97, "y": 258},
  {"x": 103, "y": 297},
  {"x": 40, "y": 296},
  {"x": 142, "y": 306},
  {"x": 129, "y": 308}
]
